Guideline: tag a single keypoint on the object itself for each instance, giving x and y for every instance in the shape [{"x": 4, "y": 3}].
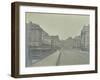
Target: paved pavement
[
  {"x": 73, "y": 57},
  {"x": 65, "y": 57},
  {"x": 48, "y": 61}
]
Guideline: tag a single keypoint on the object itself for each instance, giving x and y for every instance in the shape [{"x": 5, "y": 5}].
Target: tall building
[
  {"x": 77, "y": 42},
  {"x": 46, "y": 39},
  {"x": 36, "y": 36},
  {"x": 85, "y": 38},
  {"x": 55, "y": 42},
  {"x": 33, "y": 34},
  {"x": 32, "y": 39}
]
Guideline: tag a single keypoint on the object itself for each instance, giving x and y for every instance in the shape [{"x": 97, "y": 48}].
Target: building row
[
  {"x": 79, "y": 42},
  {"x": 38, "y": 42},
  {"x": 38, "y": 38},
  {"x": 82, "y": 41}
]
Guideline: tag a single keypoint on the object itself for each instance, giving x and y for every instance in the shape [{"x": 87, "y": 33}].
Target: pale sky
[{"x": 59, "y": 24}]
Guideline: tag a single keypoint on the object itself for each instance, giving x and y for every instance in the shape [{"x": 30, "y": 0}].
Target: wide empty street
[{"x": 65, "y": 57}]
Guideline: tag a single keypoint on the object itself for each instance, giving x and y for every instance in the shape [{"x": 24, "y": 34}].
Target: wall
[{"x": 5, "y": 40}]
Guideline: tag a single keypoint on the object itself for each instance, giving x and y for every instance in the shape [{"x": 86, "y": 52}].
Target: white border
[{"x": 53, "y": 69}]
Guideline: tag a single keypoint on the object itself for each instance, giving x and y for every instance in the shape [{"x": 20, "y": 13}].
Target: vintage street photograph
[{"x": 54, "y": 39}]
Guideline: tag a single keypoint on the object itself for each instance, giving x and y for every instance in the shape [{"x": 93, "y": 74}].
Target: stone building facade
[
  {"x": 76, "y": 42},
  {"x": 85, "y": 38},
  {"x": 55, "y": 42},
  {"x": 36, "y": 36},
  {"x": 33, "y": 34}
]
